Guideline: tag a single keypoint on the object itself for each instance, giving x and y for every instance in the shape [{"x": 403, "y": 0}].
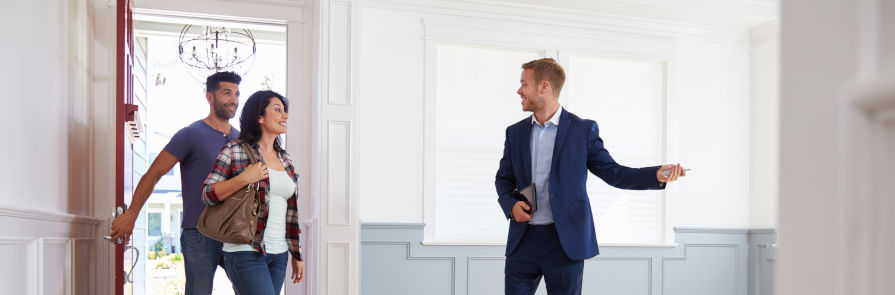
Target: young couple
[{"x": 213, "y": 166}]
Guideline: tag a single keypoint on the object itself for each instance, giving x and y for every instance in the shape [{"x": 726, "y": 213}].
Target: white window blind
[
  {"x": 476, "y": 100},
  {"x": 626, "y": 98}
]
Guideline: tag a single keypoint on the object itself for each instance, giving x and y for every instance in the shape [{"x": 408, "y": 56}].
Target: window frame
[{"x": 504, "y": 36}]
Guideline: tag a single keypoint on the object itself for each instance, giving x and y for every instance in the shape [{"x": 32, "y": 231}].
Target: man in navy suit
[{"x": 554, "y": 149}]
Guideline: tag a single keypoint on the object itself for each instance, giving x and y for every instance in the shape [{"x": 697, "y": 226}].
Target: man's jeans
[
  {"x": 201, "y": 257},
  {"x": 255, "y": 273}
]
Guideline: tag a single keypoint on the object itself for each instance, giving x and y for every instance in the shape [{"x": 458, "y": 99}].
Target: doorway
[{"x": 174, "y": 98}]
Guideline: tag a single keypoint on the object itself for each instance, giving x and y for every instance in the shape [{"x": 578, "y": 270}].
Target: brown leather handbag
[{"x": 234, "y": 220}]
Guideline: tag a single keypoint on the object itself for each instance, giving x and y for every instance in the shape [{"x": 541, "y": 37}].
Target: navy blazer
[{"x": 578, "y": 148}]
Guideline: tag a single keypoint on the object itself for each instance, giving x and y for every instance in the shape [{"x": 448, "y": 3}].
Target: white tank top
[{"x": 281, "y": 189}]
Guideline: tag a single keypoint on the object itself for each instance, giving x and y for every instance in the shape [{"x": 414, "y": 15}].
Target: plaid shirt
[{"x": 232, "y": 160}]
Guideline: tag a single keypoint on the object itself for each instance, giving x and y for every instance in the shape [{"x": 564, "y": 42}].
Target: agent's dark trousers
[{"x": 539, "y": 254}]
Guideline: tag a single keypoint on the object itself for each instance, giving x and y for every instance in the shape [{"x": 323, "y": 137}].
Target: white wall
[
  {"x": 708, "y": 116},
  {"x": 708, "y": 130},
  {"x": 46, "y": 110},
  {"x": 765, "y": 118},
  {"x": 48, "y": 238},
  {"x": 391, "y": 112}
]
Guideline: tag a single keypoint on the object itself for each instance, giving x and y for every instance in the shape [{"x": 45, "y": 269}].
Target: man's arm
[
  {"x": 123, "y": 225},
  {"x": 601, "y": 164}
]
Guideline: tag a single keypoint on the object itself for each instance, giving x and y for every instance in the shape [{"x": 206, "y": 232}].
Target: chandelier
[{"x": 205, "y": 50}]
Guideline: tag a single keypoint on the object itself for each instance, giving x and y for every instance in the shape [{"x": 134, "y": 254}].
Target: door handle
[
  {"x": 118, "y": 211},
  {"x": 129, "y": 275}
]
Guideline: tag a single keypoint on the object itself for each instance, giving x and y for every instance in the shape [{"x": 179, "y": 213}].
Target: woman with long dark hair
[{"x": 260, "y": 266}]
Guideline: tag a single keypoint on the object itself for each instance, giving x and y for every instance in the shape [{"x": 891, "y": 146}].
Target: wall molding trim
[
  {"x": 278, "y": 3},
  {"x": 391, "y": 225},
  {"x": 763, "y": 231},
  {"x": 183, "y": 16},
  {"x": 16, "y": 241},
  {"x": 715, "y": 230},
  {"x": 35, "y": 214}
]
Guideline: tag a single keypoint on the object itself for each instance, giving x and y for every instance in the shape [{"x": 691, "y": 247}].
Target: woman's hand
[
  {"x": 298, "y": 271},
  {"x": 254, "y": 173}
]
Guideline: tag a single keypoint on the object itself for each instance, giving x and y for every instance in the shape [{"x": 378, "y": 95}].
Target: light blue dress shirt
[{"x": 542, "y": 140}]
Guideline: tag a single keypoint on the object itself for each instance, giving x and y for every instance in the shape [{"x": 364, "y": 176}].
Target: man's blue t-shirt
[{"x": 196, "y": 146}]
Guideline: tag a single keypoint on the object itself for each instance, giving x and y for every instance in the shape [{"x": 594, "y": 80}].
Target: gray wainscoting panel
[
  {"x": 485, "y": 275},
  {"x": 704, "y": 270},
  {"x": 762, "y": 257},
  {"x": 705, "y": 261},
  {"x": 389, "y": 268},
  {"x": 618, "y": 275}
]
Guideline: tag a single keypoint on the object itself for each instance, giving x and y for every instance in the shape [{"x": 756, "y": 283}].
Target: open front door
[{"x": 127, "y": 135}]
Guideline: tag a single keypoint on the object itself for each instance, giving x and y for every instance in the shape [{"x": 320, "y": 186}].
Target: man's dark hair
[
  {"x": 213, "y": 83},
  {"x": 249, "y": 129}
]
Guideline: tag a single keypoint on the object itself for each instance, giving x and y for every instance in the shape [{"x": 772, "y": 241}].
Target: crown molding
[
  {"x": 544, "y": 15},
  {"x": 765, "y": 32}
]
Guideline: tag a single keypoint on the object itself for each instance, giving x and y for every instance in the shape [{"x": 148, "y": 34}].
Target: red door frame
[{"x": 124, "y": 96}]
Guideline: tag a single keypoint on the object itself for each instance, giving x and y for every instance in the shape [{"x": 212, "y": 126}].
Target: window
[
  {"x": 155, "y": 224},
  {"x": 475, "y": 100},
  {"x": 627, "y": 100}
]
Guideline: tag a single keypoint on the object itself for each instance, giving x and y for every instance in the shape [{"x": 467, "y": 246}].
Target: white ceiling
[{"x": 728, "y": 13}]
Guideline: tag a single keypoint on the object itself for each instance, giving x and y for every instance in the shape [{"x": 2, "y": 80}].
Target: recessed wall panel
[
  {"x": 21, "y": 279},
  {"x": 340, "y": 53},
  {"x": 56, "y": 266},
  {"x": 338, "y": 165},
  {"x": 338, "y": 270}
]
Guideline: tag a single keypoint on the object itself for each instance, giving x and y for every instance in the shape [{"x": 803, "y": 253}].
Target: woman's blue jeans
[{"x": 254, "y": 273}]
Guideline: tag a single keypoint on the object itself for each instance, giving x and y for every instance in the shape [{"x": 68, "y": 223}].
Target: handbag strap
[
  {"x": 249, "y": 151},
  {"x": 252, "y": 160}
]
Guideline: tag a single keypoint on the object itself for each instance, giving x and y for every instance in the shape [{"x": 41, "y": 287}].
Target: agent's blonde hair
[{"x": 547, "y": 69}]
